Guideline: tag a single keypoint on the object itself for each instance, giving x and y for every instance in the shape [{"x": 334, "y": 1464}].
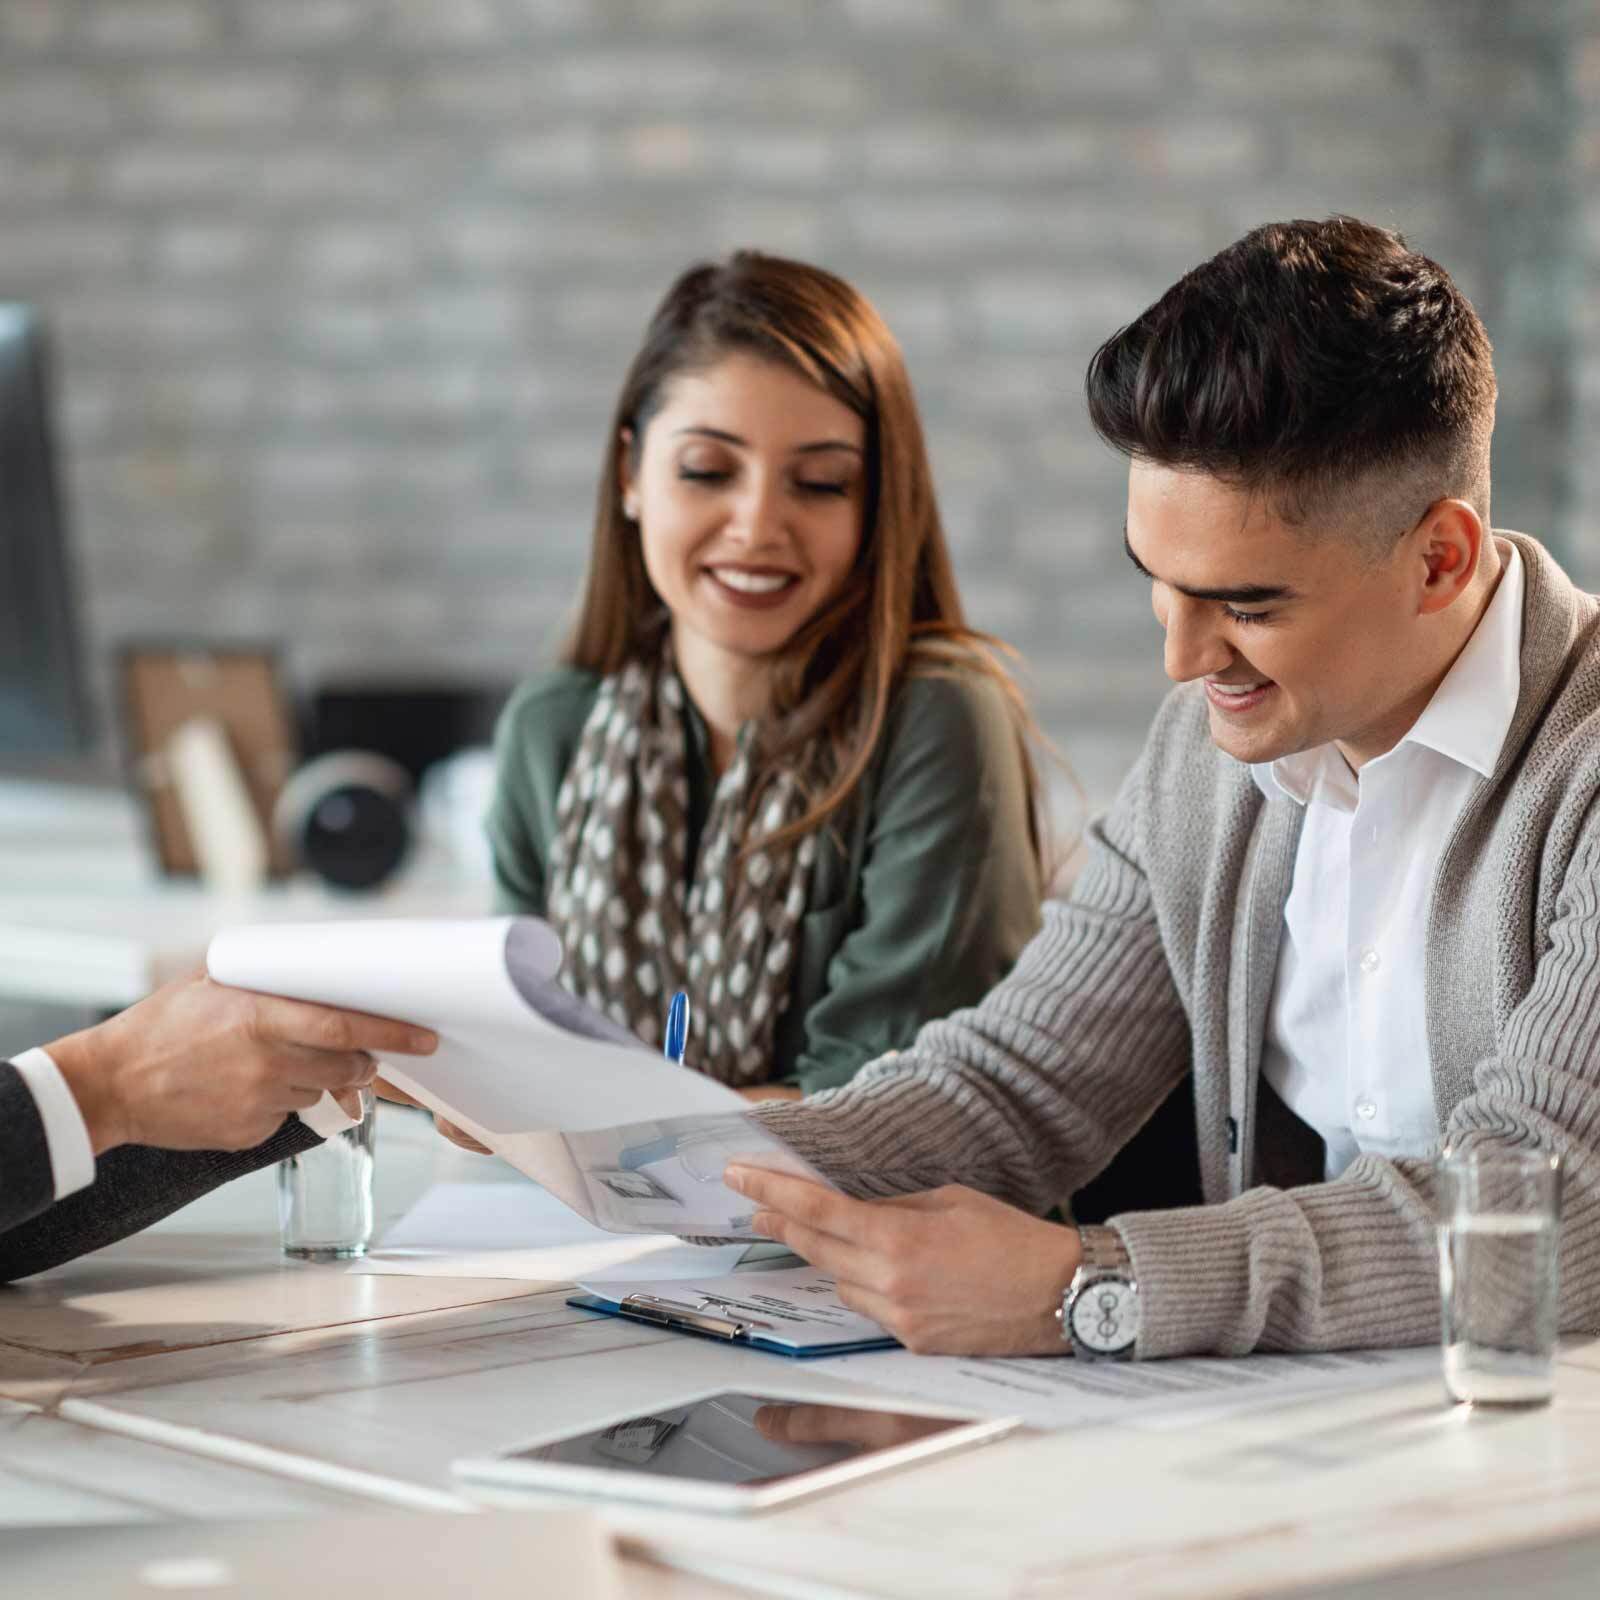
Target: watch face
[{"x": 1105, "y": 1315}]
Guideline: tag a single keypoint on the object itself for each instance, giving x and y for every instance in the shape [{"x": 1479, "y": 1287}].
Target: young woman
[{"x": 776, "y": 769}]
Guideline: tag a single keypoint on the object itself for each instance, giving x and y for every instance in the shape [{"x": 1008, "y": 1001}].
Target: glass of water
[
  {"x": 325, "y": 1193},
  {"x": 1499, "y": 1238}
]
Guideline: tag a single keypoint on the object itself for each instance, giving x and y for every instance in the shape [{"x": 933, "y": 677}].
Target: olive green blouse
[{"x": 925, "y": 886}]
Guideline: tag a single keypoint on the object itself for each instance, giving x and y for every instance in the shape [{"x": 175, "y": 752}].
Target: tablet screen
[{"x": 739, "y": 1439}]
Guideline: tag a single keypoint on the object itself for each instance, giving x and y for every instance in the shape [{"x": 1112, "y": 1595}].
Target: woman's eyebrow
[
  {"x": 827, "y": 444},
  {"x": 712, "y": 433},
  {"x": 817, "y": 447}
]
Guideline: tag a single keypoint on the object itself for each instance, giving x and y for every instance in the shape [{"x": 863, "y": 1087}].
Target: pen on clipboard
[
  {"x": 677, "y": 1040},
  {"x": 674, "y": 1313}
]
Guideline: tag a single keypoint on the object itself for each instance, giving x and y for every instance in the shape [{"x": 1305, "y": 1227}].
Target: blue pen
[
  {"x": 641, "y": 1155},
  {"x": 677, "y": 1029}
]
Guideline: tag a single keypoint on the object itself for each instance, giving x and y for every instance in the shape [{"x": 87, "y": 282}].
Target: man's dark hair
[{"x": 1325, "y": 364}]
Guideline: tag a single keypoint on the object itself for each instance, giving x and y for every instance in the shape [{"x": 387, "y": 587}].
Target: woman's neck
[{"x": 729, "y": 690}]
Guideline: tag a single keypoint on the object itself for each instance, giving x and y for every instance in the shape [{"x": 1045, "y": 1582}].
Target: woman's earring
[{"x": 630, "y": 508}]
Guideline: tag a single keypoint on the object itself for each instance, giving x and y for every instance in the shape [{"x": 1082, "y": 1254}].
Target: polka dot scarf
[{"x": 632, "y": 928}]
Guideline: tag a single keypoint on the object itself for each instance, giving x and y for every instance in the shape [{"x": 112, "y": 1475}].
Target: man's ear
[{"x": 1449, "y": 541}]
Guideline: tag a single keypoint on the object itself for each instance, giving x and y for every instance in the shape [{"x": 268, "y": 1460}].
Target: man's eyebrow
[
  {"x": 1249, "y": 594},
  {"x": 817, "y": 447}
]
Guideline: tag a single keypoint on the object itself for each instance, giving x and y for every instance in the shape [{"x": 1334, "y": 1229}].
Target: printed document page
[
  {"x": 526, "y": 1069},
  {"x": 1061, "y": 1391},
  {"x": 803, "y": 1307}
]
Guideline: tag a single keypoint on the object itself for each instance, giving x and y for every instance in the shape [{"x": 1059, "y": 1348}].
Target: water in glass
[
  {"x": 1498, "y": 1282},
  {"x": 325, "y": 1194}
]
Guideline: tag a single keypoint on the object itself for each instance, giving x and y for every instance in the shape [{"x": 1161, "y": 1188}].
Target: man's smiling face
[{"x": 1299, "y": 639}]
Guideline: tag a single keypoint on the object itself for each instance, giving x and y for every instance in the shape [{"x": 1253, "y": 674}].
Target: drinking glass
[
  {"x": 1499, "y": 1236},
  {"x": 325, "y": 1193}
]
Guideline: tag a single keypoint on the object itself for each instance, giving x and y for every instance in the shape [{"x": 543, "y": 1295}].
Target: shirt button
[
  {"x": 1366, "y": 1110},
  {"x": 1369, "y": 961}
]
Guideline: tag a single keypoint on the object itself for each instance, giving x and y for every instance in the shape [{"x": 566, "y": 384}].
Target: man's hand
[
  {"x": 199, "y": 1066},
  {"x": 948, "y": 1272}
]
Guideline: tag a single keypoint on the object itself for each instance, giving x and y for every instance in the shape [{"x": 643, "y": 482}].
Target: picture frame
[{"x": 165, "y": 684}]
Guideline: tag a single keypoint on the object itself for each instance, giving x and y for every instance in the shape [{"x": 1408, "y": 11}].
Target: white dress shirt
[
  {"x": 1347, "y": 1028},
  {"x": 66, "y": 1134}
]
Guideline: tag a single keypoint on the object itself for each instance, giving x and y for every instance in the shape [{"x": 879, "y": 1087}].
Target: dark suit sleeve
[
  {"x": 133, "y": 1186},
  {"x": 27, "y": 1184}
]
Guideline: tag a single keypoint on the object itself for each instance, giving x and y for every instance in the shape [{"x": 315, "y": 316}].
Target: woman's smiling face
[{"x": 748, "y": 490}]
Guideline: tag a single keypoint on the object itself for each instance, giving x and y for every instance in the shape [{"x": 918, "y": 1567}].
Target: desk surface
[{"x": 192, "y": 1370}]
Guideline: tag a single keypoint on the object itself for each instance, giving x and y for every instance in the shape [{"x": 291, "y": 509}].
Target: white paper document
[
  {"x": 628, "y": 1140},
  {"x": 518, "y": 1230},
  {"x": 1061, "y": 1391}
]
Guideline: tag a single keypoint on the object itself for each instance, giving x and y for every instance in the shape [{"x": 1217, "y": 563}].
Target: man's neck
[{"x": 1459, "y": 623}]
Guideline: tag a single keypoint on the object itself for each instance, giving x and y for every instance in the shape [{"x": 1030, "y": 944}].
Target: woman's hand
[{"x": 772, "y": 1091}]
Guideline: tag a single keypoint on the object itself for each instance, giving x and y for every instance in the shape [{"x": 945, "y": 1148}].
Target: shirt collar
[
  {"x": 1319, "y": 775},
  {"x": 1470, "y": 713},
  {"x": 1466, "y": 721}
]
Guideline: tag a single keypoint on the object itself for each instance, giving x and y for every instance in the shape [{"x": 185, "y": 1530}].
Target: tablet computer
[{"x": 731, "y": 1451}]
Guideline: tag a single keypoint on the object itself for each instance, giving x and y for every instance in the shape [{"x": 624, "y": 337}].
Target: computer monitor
[{"x": 44, "y": 711}]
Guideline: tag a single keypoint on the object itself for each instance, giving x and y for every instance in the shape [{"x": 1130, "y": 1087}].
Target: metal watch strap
[{"x": 1103, "y": 1250}]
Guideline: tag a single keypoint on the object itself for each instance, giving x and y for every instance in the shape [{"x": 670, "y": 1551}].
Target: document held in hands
[{"x": 629, "y": 1141}]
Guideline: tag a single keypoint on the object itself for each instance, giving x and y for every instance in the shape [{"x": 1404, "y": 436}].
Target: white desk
[
  {"x": 87, "y": 920},
  {"x": 195, "y": 1343},
  {"x": 59, "y": 1473},
  {"x": 213, "y": 1276}
]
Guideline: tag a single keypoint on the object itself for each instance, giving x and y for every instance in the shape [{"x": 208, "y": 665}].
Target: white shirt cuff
[
  {"x": 66, "y": 1134},
  {"x": 327, "y": 1117}
]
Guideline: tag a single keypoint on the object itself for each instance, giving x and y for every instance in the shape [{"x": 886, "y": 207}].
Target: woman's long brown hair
[{"x": 898, "y": 613}]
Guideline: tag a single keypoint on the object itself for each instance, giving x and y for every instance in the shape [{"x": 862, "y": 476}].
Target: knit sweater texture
[{"x": 1160, "y": 965}]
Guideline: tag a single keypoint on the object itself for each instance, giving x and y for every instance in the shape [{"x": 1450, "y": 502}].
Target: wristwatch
[{"x": 1099, "y": 1312}]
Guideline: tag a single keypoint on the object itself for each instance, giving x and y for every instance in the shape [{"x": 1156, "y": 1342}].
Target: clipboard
[{"x": 750, "y": 1332}]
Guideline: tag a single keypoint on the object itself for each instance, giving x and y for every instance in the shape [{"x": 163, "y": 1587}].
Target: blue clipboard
[{"x": 662, "y": 1313}]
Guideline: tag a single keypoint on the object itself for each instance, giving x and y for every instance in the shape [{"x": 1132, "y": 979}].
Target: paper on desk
[
  {"x": 1060, "y": 1392},
  {"x": 525, "y": 1068},
  {"x": 518, "y": 1230}
]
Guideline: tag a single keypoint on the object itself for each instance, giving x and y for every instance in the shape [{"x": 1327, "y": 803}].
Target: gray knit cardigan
[{"x": 1161, "y": 963}]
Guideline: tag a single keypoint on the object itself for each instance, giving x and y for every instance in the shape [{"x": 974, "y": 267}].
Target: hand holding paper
[
  {"x": 949, "y": 1271},
  {"x": 526, "y": 1069}
]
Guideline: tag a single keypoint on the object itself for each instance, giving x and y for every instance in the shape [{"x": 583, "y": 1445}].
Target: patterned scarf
[{"x": 633, "y": 928}]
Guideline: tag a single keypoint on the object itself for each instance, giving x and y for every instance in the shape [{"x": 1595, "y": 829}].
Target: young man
[
  {"x": 212, "y": 1077},
  {"x": 1352, "y": 884}
]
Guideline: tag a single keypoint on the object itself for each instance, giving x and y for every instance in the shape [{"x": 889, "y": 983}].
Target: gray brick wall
[
  {"x": 1584, "y": 480},
  {"x": 343, "y": 288}
]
